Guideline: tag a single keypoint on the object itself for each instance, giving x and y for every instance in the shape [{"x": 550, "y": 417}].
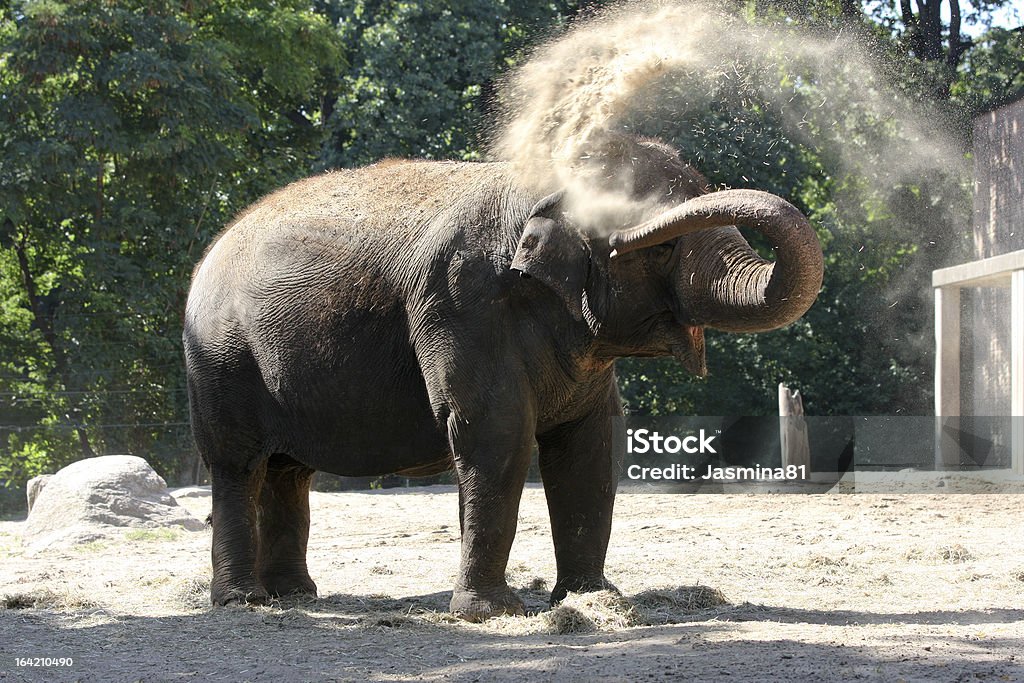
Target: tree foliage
[
  {"x": 422, "y": 74},
  {"x": 131, "y": 131},
  {"x": 992, "y": 73}
]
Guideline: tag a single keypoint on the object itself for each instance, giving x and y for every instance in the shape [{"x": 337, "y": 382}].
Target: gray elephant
[{"x": 412, "y": 317}]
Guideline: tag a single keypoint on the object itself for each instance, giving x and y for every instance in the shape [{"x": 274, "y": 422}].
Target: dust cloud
[{"x": 637, "y": 65}]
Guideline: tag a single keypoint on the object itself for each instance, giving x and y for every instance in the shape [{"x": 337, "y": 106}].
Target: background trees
[{"x": 131, "y": 131}]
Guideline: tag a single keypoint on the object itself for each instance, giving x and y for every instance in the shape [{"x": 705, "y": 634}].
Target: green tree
[
  {"x": 422, "y": 74},
  {"x": 992, "y": 73},
  {"x": 131, "y": 131}
]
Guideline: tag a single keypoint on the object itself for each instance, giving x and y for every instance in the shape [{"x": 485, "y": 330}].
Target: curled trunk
[{"x": 721, "y": 281}]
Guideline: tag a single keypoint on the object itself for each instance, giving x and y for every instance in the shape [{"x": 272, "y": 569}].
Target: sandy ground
[{"x": 816, "y": 588}]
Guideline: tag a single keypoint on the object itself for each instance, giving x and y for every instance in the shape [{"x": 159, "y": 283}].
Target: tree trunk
[{"x": 42, "y": 318}]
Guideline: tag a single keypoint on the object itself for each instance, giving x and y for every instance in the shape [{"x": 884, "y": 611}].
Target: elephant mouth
[
  {"x": 690, "y": 353},
  {"x": 683, "y": 341}
]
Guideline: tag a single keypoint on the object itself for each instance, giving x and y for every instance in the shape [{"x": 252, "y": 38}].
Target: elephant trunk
[{"x": 721, "y": 281}]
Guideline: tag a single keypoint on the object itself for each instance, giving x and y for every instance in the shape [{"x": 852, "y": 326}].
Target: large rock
[{"x": 97, "y": 498}]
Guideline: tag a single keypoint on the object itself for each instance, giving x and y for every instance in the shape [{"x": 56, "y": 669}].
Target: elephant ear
[{"x": 555, "y": 254}]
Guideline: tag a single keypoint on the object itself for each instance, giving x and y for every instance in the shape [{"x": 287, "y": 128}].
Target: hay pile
[
  {"x": 607, "y": 611},
  {"x": 591, "y": 612}
]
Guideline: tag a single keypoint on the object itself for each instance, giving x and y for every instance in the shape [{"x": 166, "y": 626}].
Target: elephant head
[{"x": 651, "y": 287}]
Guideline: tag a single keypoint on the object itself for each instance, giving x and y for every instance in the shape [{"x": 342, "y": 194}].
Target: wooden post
[
  {"x": 947, "y": 373},
  {"x": 796, "y": 449},
  {"x": 1017, "y": 371}
]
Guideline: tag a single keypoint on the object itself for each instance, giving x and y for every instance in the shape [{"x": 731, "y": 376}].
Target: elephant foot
[
  {"x": 477, "y": 605},
  {"x": 236, "y": 596},
  {"x": 281, "y": 585},
  {"x": 582, "y": 584}
]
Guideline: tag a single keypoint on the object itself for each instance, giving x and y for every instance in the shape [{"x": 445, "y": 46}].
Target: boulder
[
  {"x": 98, "y": 498},
  {"x": 191, "y": 492},
  {"x": 34, "y": 487}
]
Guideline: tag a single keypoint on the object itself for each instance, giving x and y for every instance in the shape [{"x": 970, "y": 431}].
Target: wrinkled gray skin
[{"x": 416, "y": 316}]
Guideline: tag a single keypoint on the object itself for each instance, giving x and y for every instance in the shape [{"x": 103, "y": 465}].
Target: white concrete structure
[{"x": 1003, "y": 271}]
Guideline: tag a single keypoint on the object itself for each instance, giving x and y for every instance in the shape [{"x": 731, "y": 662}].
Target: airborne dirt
[
  {"x": 820, "y": 588},
  {"x": 645, "y": 66}
]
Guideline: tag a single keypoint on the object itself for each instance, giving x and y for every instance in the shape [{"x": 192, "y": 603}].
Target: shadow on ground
[{"x": 359, "y": 637}]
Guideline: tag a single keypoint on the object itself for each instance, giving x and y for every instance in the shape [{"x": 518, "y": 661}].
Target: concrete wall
[
  {"x": 998, "y": 225},
  {"x": 999, "y": 181}
]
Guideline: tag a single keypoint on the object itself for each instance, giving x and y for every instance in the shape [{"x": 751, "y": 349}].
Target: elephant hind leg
[
  {"x": 284, "y": 528},
  {"x": 235, "y": 535}
]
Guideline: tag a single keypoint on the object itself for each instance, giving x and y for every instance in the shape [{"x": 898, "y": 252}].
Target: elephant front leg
[
  {"x": 580, "y": 470},
  {"x": 491, "y": 462}
]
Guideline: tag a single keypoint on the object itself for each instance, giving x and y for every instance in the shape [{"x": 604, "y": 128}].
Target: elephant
[{"x": 416, "y": 316}]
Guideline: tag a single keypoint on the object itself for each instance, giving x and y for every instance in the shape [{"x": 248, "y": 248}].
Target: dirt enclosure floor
[{"x": 717, "y": 587}]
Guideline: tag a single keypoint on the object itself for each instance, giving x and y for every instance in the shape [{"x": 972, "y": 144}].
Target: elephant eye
[{"x": 662, "y": 253}]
